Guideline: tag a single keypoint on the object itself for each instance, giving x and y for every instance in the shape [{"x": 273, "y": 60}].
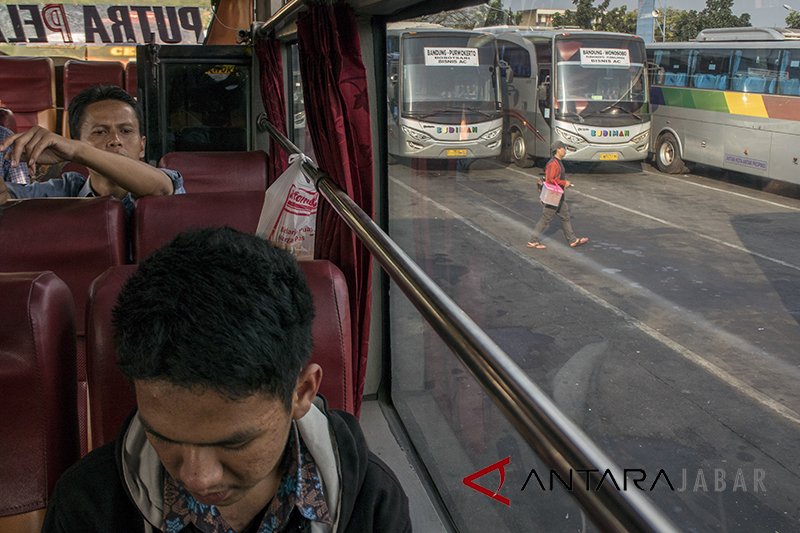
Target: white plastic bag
[{"x": 289, "y": 215}]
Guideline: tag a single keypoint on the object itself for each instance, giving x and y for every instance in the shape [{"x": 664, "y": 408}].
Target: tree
[
  {"x": 719, "y": 14},
  {"x": 793, "y": 19},
  {"x": 683, "y": 25},
  {"x": 618, "y": 19},
  {"x": 585, "y": 15},
  {"x": 498, "y": 16}
]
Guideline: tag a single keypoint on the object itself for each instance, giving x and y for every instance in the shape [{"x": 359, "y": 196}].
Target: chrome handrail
[{"x": 555, "y": 438}]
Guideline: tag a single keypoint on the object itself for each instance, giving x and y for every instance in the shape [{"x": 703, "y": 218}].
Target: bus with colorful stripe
[
  {"x": 587, "y": 89},
  {"x": 730, "y": 99}
]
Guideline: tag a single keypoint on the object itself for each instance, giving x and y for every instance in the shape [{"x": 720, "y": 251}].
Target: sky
[{"x": 762, "y": 12}]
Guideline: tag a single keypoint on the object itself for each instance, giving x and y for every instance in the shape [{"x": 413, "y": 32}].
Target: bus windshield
[
  {"x": 448, "y": 76},
  {"x": 599, "y": 82}
]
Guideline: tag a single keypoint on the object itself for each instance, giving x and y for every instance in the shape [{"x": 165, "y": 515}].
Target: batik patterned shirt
[{"x": 300, "y": 497}]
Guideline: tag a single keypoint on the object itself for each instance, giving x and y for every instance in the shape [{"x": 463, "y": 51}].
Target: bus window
[
  {"x": 676, "y": 67},
  {"x": 711, "y": 69},
  {"x": 789, "y": 75},
  {"x": 517, "y": 57},
  {"x": 755, "y": 71}
]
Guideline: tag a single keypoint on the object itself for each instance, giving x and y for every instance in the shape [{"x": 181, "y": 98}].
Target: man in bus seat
[
  {"x": 105, "y": 124},
  {"x": 214, "y": 331},
  {"x": 554, "y": 174},
  {"x": 12, "y": 174}
]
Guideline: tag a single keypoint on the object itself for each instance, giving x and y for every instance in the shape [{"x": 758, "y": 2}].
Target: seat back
[
  {"x": 112, "y": 398},
  {"x": 27, "y": 87},
  {"x": 131, "y": 79},
  {"x": 39, "y": 439},
  {"x": 219, "y": 171},
  {"x": 80, "y": 75},
  {"x": 78, "y": 239},
  {"x": 157, "y": 219}
]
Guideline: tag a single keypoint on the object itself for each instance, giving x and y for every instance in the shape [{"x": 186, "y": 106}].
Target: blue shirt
[
  {"x": 17, "y": 174},
  {"x": 76, "y": 185}
]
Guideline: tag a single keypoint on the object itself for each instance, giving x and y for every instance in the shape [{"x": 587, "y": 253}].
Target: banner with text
[{"x": 102, "y": 24}]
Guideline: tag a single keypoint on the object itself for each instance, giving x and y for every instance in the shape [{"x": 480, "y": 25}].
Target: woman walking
[{"x": 554, "y": 175}]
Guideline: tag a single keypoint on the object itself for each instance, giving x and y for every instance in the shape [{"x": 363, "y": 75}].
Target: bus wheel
[
  {"x": 519, "y": 151},
  {"x": 667, "y": 157}
]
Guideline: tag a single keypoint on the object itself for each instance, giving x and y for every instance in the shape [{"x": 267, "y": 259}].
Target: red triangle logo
[{"x": 500, "y": 465}]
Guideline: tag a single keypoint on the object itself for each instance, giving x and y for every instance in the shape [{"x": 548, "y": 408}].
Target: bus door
[{"x": 521, "y": 114}]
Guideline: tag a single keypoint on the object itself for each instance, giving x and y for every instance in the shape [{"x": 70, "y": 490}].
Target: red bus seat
[
  {"x": 131, "y": 77},
  {"x": 77, "y": 239},
  {"x": 37, "y": 361},
  {"x": 157, "y": 219},
  {"x": 27, "y": 88},
  {"x": 219, "y": 171},
  {"x": 112, "y": 398},
  {"x": 80, "y": 75}
]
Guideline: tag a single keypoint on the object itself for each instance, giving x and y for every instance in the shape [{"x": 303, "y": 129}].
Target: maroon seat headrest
[
  {"x": 77, "y": 238},
  {"x": 219, "y": 171},
  {"x": 80, "y": 75},
  {"x": 37, "y": 376},
  {"x": 112, "y": 398},
  {"x": 26, "y": 86},
  {"x": 158, "y": 219}
]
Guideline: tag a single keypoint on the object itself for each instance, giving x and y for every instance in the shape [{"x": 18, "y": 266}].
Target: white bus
[
  {"x": 593, "y": 96},
  {"x": 729, "y": 100},
  {"x": 444, "y": 98}
]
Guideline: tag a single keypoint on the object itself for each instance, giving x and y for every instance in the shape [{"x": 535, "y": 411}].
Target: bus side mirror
[{"x": 508, "y": 72}]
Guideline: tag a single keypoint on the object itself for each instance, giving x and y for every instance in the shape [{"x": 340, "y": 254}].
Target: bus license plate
[
  {"x": 456, "y": 153},
  {"x": 609, "y": 157}
]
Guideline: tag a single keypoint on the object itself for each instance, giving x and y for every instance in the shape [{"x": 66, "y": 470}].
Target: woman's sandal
[
  {"x": 537, "y": 245},
  {"x": 578, "y": 242}
]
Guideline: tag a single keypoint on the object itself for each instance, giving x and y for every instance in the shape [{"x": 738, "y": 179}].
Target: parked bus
[
  {"x": 729, "y": 100},
  {"x": 593, "y": 97},
  {"x": 444, "y": 93}
]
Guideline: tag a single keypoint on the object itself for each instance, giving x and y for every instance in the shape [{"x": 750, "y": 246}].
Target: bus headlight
[
  {"x": 641, "y": 137},
  {"x": 416, "y": 134},
  {"x": 491, "y": 134},
  {"x": 570, "y": 137}
]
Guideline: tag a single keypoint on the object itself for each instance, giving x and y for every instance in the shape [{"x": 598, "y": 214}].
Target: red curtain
[
  {"x": 337, "y": 111},
  {"x": 268, "y": 52}
]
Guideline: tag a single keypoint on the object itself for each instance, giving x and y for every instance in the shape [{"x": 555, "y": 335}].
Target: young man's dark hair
[
  {"x": 249, "y": 328},
  {"x": 77, "y": 106}
]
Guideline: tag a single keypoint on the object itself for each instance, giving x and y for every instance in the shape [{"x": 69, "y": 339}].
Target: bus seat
[
  {"x": 219, "y": 171},
  {"x": 157, "y": 219},
  {"x": 705, "y": 81},
  {"x": 39, "y": 438},
  {"x": 670, "y": 78},
  {"x": 131, "y": 77},
  {"x": 790, "y": 87},
  {"x": 737, "y": 83},
  {"x": 771, "y": 86},
  {"x": 77, "y": 239},
  {"x": 7, "y": 119},
  {"x": 27, "y": 87},
  {"x": 722, "y": 82},
  {"x": 79, "y": 75},
  {"x": 680, "y": 79},
  {"x": 754, "y": 84},
  {"x": 112, "y": 398}
]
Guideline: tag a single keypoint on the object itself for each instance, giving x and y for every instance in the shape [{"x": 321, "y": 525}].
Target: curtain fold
[
  {"x": 337, "y": 111},
  {"x": 268, "y": 52}
]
